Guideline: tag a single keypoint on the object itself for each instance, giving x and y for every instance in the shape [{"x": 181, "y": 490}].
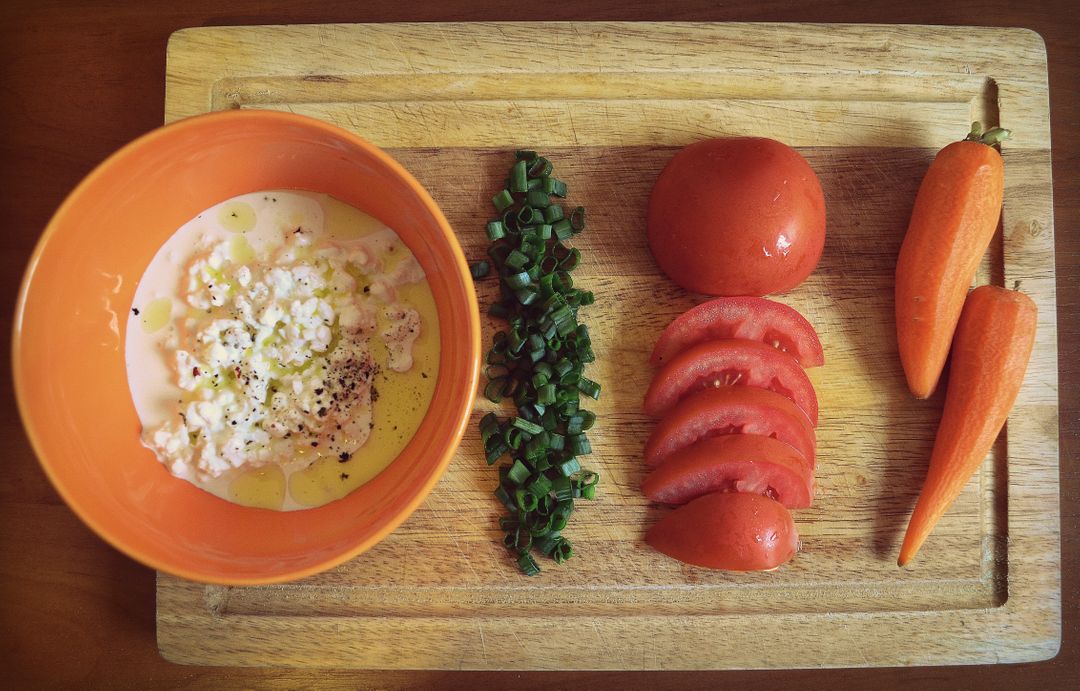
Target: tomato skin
[
  {"x": 735, "y": 531},
  {"x": 730, "y": 409},
  {"x": 733, "y": 462},
  {"x": 707, "y": 364},
  {"x": 737, "y": 216},
  {"x": 752, "y": 318}
]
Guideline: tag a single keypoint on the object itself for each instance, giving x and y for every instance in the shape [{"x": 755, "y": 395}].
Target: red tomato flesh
[
  {"x": 737, "y": 216},
  {"x": 735, "y": 531},
  {"x": 733, "y": 463},
  {"x": 730, "y": 362},
  {"x": 730, "y": 410},
  {"x": 755, "y": 319}
]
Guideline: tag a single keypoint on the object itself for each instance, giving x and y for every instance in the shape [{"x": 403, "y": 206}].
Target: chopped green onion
[
  {"x": 556, "y": 442},
  {"x": 571, "y": 260},
  {"x": 590, "y": 478},
  {"x": 496, "y": 450},
  {"x": 553, "y": 213},
  {"x": 547, "y": 544},
  {"x": 510, "y": 223},
  {"x": 518, "y": 177},
  {"x": 588, "y": 418},
  {"x": 519, "y": 540},
  {"x": 537, "y": 360},
  {"x": 536, "y": 448},
  {"x": 589, "y": 388},
  {"x": 562, "y": 488},
  {"x": 518, "y": 280},
  {"x": 562, "y": 550},
  {"x": 527, "y": 215},
  {"x": 518, "y": 473},
  {"x": 479, "y": 269},
  {"x": 538, "y": 199},
  {"x": 495, "y": 390},
  {"x": 526, "y": 426},
  {"x": 569, "y": 466},
  {"x": 514, "y": 439},
  {"x": 546, "y": 394},
  {"x": 503, "y": 200},
  {"x": 527, "y": 564},
  {"x": 561, "y": 515},
  {"x": 577, "y": 219},
  {"x": 527, "y": 295},
  {"x": 526, "y": 501},
  {"x": 578, "y": 444},
  {"x": 540, "y": 166},
  {"x": 562, "y": 228},
  {"x": 540, "y": 486},
  {"x": 516, "y": 260},
  {"x": 505, "y": 498},
  {"x": 541, "y": 524}
]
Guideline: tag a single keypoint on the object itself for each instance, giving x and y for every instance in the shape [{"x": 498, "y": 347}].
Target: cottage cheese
[{"x": 269, "y": 344}]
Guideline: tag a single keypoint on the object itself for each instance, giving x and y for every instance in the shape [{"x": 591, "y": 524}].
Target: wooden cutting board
[{"x": 609, "y": 103}]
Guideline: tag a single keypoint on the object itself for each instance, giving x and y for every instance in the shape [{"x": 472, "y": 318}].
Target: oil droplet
[
  {"x": 262, "y": 488},
  {"x": 155, "y": 315},
  {"x": 239, "y": 217},
  {"x": 240, "y": 250}
]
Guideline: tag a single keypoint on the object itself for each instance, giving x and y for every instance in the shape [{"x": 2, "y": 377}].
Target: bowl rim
[{"x": 459, "y": 419}]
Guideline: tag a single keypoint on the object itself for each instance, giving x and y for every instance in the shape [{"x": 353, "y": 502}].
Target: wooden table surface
[{"x": 76, "y": 83}]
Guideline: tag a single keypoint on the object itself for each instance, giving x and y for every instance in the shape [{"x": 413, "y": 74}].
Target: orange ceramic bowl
[{"x": 68, "y": 348}]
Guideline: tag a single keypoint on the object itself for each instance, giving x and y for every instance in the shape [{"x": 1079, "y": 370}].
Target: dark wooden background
[{"x": 79, "y": 79}]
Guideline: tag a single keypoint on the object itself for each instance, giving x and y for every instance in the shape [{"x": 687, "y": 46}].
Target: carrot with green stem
[
  {"x": 994, "y": 338},
  {"x": 955, "y": 215}
]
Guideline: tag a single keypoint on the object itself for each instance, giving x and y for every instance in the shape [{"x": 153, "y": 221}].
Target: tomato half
[
  {"x": 755, "y": 319},
  {"x": 735, "y": 531},
  {"x": 730, "y": 410},
  {"x": 733, "y": 462},
  {"x": 730, "y": 362},
  {"x": 737, "y": 216}
]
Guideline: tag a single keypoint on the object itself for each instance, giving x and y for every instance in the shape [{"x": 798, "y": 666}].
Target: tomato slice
[
  {"x": 733, "y": 462},
  {"x": 732, "y": 361},
  {"x": 755, "y": 319},
  {"x": 736, "y": 531},
  {"x": 730, "y": 410}
]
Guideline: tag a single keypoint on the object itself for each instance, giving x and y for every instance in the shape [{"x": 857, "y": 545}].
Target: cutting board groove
[{"x": 867, "y": 106}]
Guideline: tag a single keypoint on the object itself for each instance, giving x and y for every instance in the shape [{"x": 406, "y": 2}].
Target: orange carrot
[
  {"x": 994, "y": 338},
  {"x": 955, "y": 215}
]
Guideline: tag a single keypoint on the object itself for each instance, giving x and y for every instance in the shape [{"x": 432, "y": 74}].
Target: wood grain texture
[
  {"x": 80, "y": 80},
  {"x": 868, "y": 106}
]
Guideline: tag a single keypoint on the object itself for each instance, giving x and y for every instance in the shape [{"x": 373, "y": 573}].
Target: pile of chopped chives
[{"x": 538, "y": 362}]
